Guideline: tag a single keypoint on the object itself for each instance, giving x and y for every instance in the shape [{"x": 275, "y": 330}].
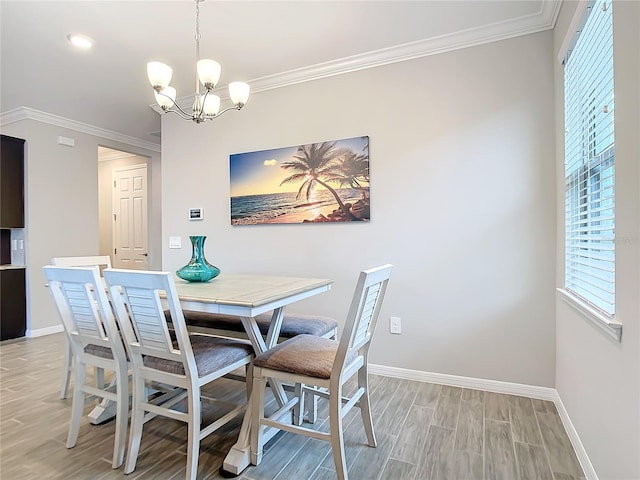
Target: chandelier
[{"x": 206, "y": 105}]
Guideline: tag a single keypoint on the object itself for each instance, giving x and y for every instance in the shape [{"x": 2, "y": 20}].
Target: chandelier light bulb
[
  {"x": 211, "y": 105},
  {"x": 159, "y": 74},
  {"x": 209, "y": 73},
  {"x": 239, "y": 93}
]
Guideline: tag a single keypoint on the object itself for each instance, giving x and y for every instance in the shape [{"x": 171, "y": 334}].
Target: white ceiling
[{"x": 266, "y": 43}]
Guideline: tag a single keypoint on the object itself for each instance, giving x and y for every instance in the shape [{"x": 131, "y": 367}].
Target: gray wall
[
  {"x": 598, "y": 378},
  {"x": 462, "y": 193},
  {"x": 61, "y": 202}
]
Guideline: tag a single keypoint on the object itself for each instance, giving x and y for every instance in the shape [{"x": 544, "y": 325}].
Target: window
[{"x": 589, "y": 161}]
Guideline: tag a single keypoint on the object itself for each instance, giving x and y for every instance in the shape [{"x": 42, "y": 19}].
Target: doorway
[
  {"x": 123, "y": 208},
  {"x": 130, "y": 225}
]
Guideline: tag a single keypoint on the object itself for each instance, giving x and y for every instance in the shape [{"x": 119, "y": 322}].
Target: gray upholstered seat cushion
[
  {"x": 211, "y": 354},
  {"x": 99, "y": 351},
  {"x": 303, "y": 355},
  {"x": 292, "y": 324},
  {"x": 104, "y": 352}
]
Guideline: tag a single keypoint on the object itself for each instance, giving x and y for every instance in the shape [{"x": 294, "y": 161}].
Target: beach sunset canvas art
[{"x": 311, "y": 183}]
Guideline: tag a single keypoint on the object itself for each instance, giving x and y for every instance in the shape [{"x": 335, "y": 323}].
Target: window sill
[{"x": 611, "y": 327}]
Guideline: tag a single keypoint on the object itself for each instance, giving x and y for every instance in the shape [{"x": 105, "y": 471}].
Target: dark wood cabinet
[
  {"x": 11, "y": 182},
  {"x": 13, "y": 306},
  {"x": 13, "y": 303}
]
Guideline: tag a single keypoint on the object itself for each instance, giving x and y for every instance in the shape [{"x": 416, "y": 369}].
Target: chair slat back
[
  {"x": 139, "y": 309},
  {"x": 147, "y": 315},
  {"x": 81, "y": 300},
  {"x": 363, "y": 313},
  {"x": 83, "y": 308}
]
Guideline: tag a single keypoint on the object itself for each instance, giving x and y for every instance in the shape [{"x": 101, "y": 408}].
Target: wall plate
[{"x": 175, "y": 242}]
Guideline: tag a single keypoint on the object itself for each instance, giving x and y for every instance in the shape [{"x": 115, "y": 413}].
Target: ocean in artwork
[{"x": 267, "y": 208}]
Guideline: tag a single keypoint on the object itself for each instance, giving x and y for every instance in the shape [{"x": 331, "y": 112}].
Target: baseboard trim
[
  {"x": 581, "y": 452},
  {"x": 541, "y": 393},
  {"x": 532, "y": 391},
  {"x": 41, "y": 332}
]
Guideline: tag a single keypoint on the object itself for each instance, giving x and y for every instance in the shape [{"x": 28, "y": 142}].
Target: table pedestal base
[
  {"x": 239, "y": 457},
  {"x": 236, "y": 460},
  {"x": 103, "y": 412}
]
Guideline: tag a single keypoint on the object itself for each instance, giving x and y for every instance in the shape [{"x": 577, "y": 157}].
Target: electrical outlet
[{"x": 395, "y": 325}]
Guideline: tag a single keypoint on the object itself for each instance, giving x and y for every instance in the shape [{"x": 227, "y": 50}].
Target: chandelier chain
[{"x": 198, "y": 36}]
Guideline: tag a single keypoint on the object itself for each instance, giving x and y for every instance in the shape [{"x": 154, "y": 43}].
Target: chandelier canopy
[{"x": 206, "y": 105}]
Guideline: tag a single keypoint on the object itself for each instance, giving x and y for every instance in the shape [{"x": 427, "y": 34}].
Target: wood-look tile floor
[{"x": 424, "y": 431}]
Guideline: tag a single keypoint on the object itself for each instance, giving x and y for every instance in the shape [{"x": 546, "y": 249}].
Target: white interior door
[{"x": 130, "y": 217}]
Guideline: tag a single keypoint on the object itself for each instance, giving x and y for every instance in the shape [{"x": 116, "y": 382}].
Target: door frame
[
  {"x": 114, "y": 197},
  {"x": 110, "y": 157}
]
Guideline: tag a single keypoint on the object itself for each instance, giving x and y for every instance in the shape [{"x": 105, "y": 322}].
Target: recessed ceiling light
[{"x": 80, "y": 41}]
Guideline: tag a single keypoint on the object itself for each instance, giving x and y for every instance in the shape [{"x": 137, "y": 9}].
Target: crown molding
[
  {"x": 26, "y": 113},
  {"x": 544, "y": 19}
]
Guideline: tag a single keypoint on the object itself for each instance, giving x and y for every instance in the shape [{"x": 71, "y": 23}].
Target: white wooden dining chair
[
  {"x": 101, "y": 261},
  {"x": 321, "y": 367},
  {"x": 94, "y": 340},
  {"x": 293, "y": 324},
  {"x": 190, "y": 362}
]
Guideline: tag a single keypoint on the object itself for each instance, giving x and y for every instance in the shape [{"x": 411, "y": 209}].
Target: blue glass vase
[{"x": 198, "y": 269}]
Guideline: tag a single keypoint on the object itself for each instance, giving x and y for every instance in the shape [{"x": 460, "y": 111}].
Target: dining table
[{"x": 246, "y": 296}]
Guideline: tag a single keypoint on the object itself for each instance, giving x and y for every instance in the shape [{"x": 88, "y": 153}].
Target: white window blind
[{"x": 589, "y": 161}]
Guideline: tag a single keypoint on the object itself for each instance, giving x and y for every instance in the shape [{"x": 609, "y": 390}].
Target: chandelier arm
[
  {"x": 184, "y": 114},
  {"x": 235, "y": 107},
  {"x": 181, "y": 114}
]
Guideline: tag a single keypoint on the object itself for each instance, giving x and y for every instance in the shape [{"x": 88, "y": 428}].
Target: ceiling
[{"x": 269, "y": 44}]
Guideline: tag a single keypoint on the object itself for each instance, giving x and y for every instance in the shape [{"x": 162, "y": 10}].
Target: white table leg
[
  {"x": 259, "y": 345},
  {"x": 238, "y": 457},
  {"x": 274, "y": 327}
]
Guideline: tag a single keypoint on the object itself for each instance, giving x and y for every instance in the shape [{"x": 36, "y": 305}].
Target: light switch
[
  {"x": 395, "y": 325},
  {"x": 175, "y": 242}
]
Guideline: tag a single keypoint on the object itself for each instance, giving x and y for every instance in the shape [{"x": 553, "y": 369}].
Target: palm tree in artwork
[
  {"x": 354, "y": 172},
  {"x": 316, "y": 164}
]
